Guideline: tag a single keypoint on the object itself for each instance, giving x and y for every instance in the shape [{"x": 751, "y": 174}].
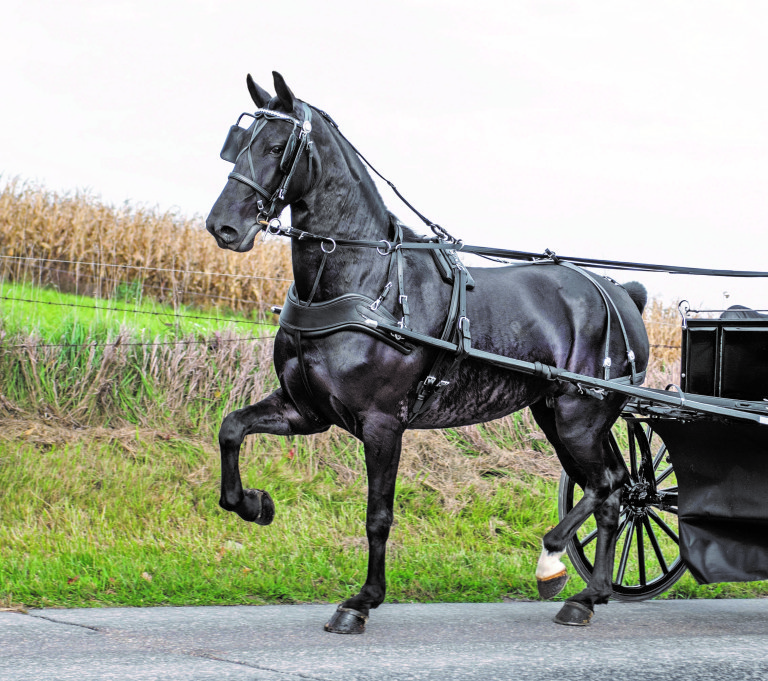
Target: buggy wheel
[{"x": 647, "y": 547}]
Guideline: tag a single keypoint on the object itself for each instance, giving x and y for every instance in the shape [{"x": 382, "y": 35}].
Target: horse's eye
[{"x": 277, "y": 150}]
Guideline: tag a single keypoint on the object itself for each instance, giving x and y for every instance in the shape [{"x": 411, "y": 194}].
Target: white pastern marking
[{"x": 549, "y": 564}]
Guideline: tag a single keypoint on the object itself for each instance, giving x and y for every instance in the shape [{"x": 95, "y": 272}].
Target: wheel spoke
[
  {"x": 669, "y": 503},
  {"x": 623, "y": 520},
  {"x": 619, "y": 455},
  {"x": 641, "y": 555},
  {"x": 655, "y": 545},
  {"x": 659, "y": 456},
  {"x": 589, "y": 538},
  {"x": 667, "y": 529},
  {"x": 625, "y": 553},
  {"x": 664, "y": 474},
  {"x": 632, "y": 452}
]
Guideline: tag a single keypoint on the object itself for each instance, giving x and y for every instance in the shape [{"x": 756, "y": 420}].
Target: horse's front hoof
[
  {"x": 259, "y": 507},
  {"x": 346, "y": 621},
  {"x": 549, "y": 587},
  {"x": 574, "y": 614}
]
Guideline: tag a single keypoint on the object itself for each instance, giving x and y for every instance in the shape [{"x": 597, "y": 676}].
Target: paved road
[{"x": 670, "y": 640}]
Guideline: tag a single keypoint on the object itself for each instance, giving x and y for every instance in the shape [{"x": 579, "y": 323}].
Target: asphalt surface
[{"x": 652, "y": 640}]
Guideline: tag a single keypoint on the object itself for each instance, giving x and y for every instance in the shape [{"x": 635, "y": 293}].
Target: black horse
[{"x": 294, "y": 154}]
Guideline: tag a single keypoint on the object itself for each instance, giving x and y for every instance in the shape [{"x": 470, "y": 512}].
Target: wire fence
[
  {"x": 162, "y": 313},
  {"x": 120, "y": 343},
  {"x": 43, "y": 264},
  {"x": 128, "y": 276},
  {"x": 84, "y": 263}
]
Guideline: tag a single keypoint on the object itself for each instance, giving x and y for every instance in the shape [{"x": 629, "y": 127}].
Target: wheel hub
[{"x": 637, "y": 498}]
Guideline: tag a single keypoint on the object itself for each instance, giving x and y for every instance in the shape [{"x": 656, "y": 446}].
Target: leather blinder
[{"x": 233, "y": 144}]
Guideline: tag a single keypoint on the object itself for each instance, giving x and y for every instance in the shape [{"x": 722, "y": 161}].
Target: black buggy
[{"x": 697, "y": 497}]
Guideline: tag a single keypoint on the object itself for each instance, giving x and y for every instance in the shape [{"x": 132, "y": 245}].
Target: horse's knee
[
  {"x": 232, "y": 431},
  {"x": 378, "y": 524}
]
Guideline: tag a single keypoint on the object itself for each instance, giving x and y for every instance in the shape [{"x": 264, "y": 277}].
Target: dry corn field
[
  {"x": 173, "y": 258},
  {"x": 99, "y": 247}
]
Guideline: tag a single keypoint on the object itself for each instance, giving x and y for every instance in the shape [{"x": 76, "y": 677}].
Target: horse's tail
[{"x": 638, "y": 294}]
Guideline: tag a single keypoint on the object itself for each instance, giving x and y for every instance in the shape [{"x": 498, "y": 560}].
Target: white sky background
[{"x": 629, "y": 131}]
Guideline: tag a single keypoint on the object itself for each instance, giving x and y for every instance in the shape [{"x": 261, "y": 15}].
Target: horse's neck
[{"x": 344, "y": 205}]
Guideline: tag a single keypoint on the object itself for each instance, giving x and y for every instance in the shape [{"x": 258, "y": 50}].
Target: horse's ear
[
  {"x": 284, "y": 93},
  {"x": 259, "y": 95}
]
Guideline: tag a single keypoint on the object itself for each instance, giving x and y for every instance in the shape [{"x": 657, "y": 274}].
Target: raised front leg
[
  {"x": 382, "y": 441},
  {"x": 275, "y": 415}
]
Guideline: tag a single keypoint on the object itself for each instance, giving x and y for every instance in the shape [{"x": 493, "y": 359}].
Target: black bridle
[{"x": 239, "y": 141}]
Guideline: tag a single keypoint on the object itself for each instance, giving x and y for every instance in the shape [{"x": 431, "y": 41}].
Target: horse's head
[{"x": 274, "y": 166}]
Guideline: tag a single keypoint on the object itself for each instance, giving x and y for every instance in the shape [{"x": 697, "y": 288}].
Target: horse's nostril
[{"x": 228, "y": 234}]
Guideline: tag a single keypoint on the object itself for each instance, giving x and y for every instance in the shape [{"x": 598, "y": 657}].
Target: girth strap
[{"x": 446, "y": 364}]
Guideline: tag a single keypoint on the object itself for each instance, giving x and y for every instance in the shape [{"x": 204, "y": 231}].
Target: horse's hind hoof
[
  {"x": 549, "y": 587},
  {"x": 266, "y": 507},
  {"x": 346, "y": 621},
  {"x": 574, "y": 614}
]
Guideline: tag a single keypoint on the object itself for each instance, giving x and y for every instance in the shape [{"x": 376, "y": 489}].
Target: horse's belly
[{"x": 479, "y": 393}]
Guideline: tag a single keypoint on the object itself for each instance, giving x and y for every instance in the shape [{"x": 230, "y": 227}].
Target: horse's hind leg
[
  {"x": 382, "y": 439},
  {"x": 275, "y": 415},
  {"x": 579, "y": 432}
]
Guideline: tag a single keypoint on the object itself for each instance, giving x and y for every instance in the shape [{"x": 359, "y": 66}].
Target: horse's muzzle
[{"x": 233, "y": 239}]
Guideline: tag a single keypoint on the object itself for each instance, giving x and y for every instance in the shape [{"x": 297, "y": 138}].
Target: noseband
[{"x": 239, "y": 141}]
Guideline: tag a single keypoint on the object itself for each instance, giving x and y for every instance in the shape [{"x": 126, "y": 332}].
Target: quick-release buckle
[
  {"x": 431, "y": 383},
  {"x": 376, "y": 303}
]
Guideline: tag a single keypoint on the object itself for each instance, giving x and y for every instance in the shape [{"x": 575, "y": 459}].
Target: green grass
[
  {"x": 109, "y": 484},
  {"x": 57, "y": 317},
  {"x": 91, "y": 364},
  {"x": 136, "y": 522}
]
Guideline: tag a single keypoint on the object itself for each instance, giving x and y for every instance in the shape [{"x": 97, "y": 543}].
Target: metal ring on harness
[
  {"x": 274, "y": 226},
  {"x": 387, "y": 244},
  {"x": 322, "y": 245}
]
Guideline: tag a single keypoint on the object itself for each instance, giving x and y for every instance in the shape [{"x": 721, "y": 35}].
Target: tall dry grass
[
  {"x": 171, "y": 258},
  {"x": 663, "y": 324},
  {"x": 185, "y": 389}
]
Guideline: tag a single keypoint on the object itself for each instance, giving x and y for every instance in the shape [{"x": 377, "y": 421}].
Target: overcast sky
[{"x": 630, "y": 131}]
